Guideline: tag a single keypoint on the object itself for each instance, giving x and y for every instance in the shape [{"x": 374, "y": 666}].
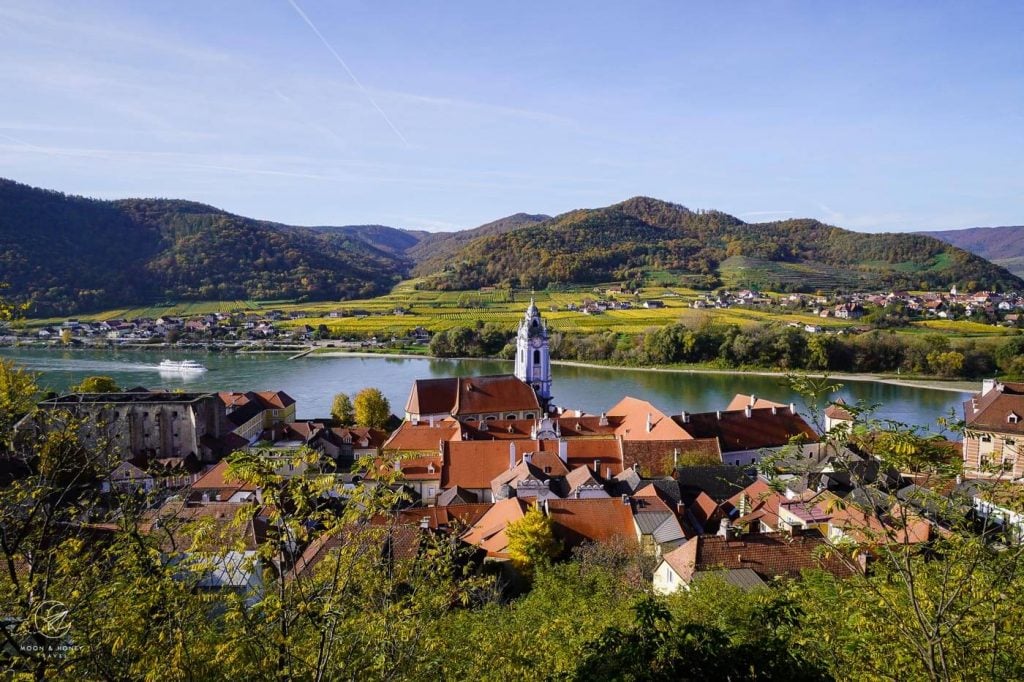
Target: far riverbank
[{"x": 957, "y": 386}]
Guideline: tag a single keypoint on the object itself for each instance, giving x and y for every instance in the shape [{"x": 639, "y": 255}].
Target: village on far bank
[
  {"x": 749, "y": 492},
  {"x": 407, "y": 318}
]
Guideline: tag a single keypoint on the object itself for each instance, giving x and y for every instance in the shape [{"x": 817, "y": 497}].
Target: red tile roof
[
  {"x": 995, "y": 411},
  {"x": 636, "y": 413},
  {"x": 421, "y": 436},
  {"x": 768, "y": 554},
  {"x": 432, "y": 396},
  {"x": 496, "y": 394},
  {"x": 657, "y": 458},
  {"x": 762, "y": 502},
  {"x": 740, "y": 401},
  {"x": 474, "y": 464},
  {"x": 749, "y": 430},
  {"x": 488, "y": 533},
  {"x": 595, "y": 520}
]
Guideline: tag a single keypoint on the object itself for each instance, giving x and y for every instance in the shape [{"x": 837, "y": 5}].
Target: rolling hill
[
  {"x": 631, "y": 240},
  {"x": 68, "y": 254},
  {"x": 1002, "y": 245}
]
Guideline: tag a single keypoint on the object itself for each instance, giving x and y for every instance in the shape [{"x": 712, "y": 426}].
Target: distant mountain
[
  {"x": 437, "y": 247},
  {"x": 1001, "y": 245},
  {"x": 643, "y": 239},
  {"x": 69, "y": 254}
]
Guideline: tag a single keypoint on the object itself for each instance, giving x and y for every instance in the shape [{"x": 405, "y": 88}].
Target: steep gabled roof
[
  {"x": 635, "y": 415},
  {"x": 740, "y": 401},
  {"x": 1001, "y": 409},
  {"x": 456, "y": 496},
  {"x": 488, "y": 533},
  {"x": 432, "y": 396}
]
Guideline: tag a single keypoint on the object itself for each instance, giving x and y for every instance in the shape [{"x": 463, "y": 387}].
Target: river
[{"x": 313, "y": 381}]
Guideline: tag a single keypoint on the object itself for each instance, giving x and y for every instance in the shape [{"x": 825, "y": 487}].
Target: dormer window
[{"x": 1013, "y": 418}]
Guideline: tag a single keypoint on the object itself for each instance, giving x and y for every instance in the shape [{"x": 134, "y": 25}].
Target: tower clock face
[{"x": 536, "y": 343}]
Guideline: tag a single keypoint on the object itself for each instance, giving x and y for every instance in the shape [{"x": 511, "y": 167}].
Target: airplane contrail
[{"x": 351, "y": 75}]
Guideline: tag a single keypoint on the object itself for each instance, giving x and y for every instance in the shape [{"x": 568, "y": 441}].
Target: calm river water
[{"x": 314, "y": 380}]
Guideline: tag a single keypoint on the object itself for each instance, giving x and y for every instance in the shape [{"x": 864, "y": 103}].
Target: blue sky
[{"x": 872, "y": 116}]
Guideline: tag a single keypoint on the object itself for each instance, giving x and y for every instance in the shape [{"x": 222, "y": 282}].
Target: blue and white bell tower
[{"x": 533, "y": 359}]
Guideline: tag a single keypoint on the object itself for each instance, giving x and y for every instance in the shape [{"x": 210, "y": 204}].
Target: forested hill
[
  {"x": 1001, "y": 245},
  {"x": 643, "y": 238},
  {"x": 436, "y": 248},
  {"x": 68, "y": 254}
]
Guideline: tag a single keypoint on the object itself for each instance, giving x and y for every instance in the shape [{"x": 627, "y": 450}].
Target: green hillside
[
  {"x": 642, "y": 238},
  {"x": 69, "y": 254}
]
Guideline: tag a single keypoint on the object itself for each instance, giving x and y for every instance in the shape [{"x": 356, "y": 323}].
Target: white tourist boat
[{"x": 183, "y": 366}]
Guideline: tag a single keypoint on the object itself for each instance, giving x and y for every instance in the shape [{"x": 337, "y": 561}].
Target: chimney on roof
[
  {"x": 597, "y": 467},
  {"x": 792, "y": 408},
  {"x": 680, "y": 508},
  {"x": 625, "y": 499},
  {"x": 747, "y": 412},
  {"x": 603, "y": 421},
  {"x": 718, "y": 415},
  {"x": 528, "y": 457},
  {"x": 987, "y": 386},
  {"x": 563, "y": 450},
  {"x": 544, "y": 507},
  {"x": 753, "y": 399},
  {"x": 579, "y": 413},
  {"x": 685, "y": 417},
  {"x": 774, "y": 410},
  {"x": 608, "y": 473},
  {"x": 431, "y": 421},
  {"x": 512, "y": 455},
  {"x": 650, "y": 422}
]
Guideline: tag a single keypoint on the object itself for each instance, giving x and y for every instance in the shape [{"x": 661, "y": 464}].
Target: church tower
[{"x": 533, "y": 360}]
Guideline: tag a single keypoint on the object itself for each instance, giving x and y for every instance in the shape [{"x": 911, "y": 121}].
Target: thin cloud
[{"x": 351, "y": 75}]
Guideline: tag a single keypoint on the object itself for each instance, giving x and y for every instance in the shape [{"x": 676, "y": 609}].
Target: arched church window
[{"x": 536, "y": 357}]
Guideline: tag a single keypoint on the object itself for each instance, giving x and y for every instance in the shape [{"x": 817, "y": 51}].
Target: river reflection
[{"x": 313, "y": 381}]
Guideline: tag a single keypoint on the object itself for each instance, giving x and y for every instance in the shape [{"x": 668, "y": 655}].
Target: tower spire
[{"x": 533, "y": 361}]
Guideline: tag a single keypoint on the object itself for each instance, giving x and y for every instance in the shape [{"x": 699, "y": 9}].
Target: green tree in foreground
[
  {"x": 96, "y": 384},
  {"x": 372, "y": 408},
  {"x": 531, "y": 542},
  {"x": 342, "y": 409}
]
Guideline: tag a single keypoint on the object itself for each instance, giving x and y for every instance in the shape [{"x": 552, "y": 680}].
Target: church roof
[{"x": 501, "y": 393}]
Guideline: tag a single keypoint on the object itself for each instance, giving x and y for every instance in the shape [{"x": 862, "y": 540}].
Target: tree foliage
[
  {"x": 372, "y": 409},
  {"x": 96, "y": 384},
  {"x": 342, "y": 409},
  {"x": 531, "y": 541}
]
